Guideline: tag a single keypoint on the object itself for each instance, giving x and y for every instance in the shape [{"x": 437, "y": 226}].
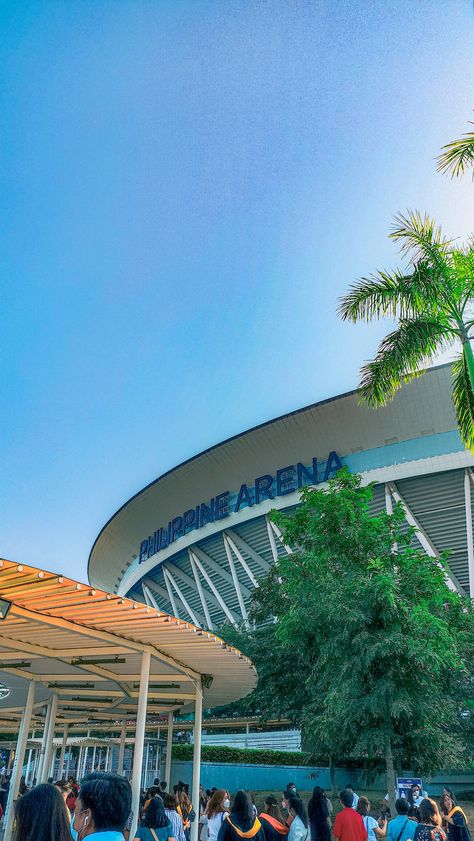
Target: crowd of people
[{"x": 101, "y": 809}]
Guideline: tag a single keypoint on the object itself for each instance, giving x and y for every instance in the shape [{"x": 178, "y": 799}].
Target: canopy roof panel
[{"x": 85, "y": 645}]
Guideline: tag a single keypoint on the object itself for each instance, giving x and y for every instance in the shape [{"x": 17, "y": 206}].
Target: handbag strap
[
  {"x": 402, "y": 830},
  {"x": 156, "y": 837}
]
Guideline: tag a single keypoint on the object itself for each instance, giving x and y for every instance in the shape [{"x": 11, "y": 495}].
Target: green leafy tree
[
  {"x": 379, "y": 649},
  {"x": 433, "y": 302},
  {"x": 458, "y": 155}
]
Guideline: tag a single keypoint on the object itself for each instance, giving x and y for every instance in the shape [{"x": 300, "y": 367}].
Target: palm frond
[
  {"x": 456, "y": 156},
  {"x": 393, "y": 294},
  {"x": 422, "y": 239},
  {"x": 463, "y": 399},
  {"x": 380, "y": 294},
  {"x": 400, "y": 356}
]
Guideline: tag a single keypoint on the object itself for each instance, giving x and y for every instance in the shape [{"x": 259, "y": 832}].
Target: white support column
[
  {"x": 123, "y": 736},
  {"x": 168, "y": 577},
  {"x": 388, "y": 500},
  {"x": 68, "y": 762},
  {"x": 423, "y": 538},
  {"x": 200, "y": 591},
  {"x": 280, "y": 537},
  {"x": 79, "y": 763},
  {"x": 107, "y": 759},
  {"x": 171, "y": 597},
  {"x": 197, "y": 759},
  {"x": 19, "y": 758},
  {"x": 93, "y": 757},
  {"x": 240, "y": 557},
  {"x": 84, "y": 763},
  {"x": 169, "y": 749},
  {"x": 271, "y": 538},
  {"x": 145, "y": 769},
  {"x": 49, "y": 741},
  {"x": 44, "y": 740},
  {"x": 139, "y": 738},
  {"x": 209, "y": 582},
  {"x": 157, "y": 756},
  {"x": 235, "y": 579},
  {"x": 52, "y": 764},
  {"x": 28, "y": 765},
  {"x": 470, "y": 544},
  {"x": 63, "y": 750}
]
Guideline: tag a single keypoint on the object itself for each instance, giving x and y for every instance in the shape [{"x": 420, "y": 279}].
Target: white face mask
[{"x": 226, "y": 803}]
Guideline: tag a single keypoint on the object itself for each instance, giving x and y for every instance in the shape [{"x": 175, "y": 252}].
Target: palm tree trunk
[{"x": 469, "y": 357}]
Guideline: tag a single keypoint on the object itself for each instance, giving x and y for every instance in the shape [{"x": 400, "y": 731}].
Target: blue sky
[{"x": 187, "y": 188}]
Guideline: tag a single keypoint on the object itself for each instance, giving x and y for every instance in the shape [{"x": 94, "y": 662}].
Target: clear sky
[{"x": 186, "y": 189}]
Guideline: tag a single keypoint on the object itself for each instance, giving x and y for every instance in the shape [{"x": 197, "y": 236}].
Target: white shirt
[
  {"x": 214, "y": 824},
  {"x": 355, "y": 800},
  {"x": 370, "y": 823},
  {"x": 298, "y": 831}
]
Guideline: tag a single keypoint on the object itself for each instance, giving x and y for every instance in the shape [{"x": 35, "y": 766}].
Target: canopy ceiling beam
[{"x": 99, "y": 634}]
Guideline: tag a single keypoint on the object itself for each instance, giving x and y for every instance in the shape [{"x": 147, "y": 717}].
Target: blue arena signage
[{"x": 285, "y": 481}]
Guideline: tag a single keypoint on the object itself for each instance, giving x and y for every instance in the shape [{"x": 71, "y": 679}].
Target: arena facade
[{"x": 195, "y": 541}]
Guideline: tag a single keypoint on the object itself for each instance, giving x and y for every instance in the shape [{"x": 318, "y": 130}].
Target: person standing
[
  {"x": 241, "y": 823},
  {"x": 371, "y": 825},
  {"x": 355, "y": 797},
  {"x": 156, "y": 826},
  {"x": 348, "y": 825},
  {"x": 40, "y": 815},
  {"x": 299, "y": 830},
  {"x": 429, "y": 828},
  {"x": 318, "y": 814},
  {"x": 273, "y": 824},
  {"x": 216, "y": 811},
  {"x": 402, "y": 827},
  {"x": 416, "y": 795},
  {"x": 103, "y": 806},
  {"x": 171, "y": 812},
  {"x": 456, "y": 821}
]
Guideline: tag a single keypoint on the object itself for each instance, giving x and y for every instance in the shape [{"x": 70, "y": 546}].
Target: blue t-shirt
[
  {"x": 161, "y": 832},
  {"x": 401, "y": 824}
]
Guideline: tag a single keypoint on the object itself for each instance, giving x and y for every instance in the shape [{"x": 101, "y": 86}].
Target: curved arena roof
[{"x": 205, "y": 567}]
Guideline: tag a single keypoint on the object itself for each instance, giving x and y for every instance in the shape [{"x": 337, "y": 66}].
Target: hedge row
[{"x": 222, "y": 753}]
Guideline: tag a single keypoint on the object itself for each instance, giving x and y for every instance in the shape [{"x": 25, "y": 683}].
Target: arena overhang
[{"x": 196, "y": 539}]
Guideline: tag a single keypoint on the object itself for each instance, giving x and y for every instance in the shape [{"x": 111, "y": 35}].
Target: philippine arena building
[{"x": 195, "y": 541}]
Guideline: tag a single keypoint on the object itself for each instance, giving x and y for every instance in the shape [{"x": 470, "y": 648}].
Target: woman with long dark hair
[
  {"x": 241, "y": 822},
  {"x": 41, "y": 815},
  {"x": 455, "y": 820},
  {"x": 156, "y": 825},
  {"x": 273, "y": 824},
  {"x": 318, "y": 814},
  {"x": 429, "y": 828},
  {"x": 299, "y": 830}
]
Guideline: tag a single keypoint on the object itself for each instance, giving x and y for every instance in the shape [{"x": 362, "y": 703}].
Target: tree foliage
[
  {"x": 432, "y": 300},
  {"x": 377, "y": 650}
]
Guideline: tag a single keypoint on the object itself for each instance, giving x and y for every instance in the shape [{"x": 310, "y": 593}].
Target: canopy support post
[
  {"x": 19, "y": 759},
  {"x": 197, "y": 759},
  {"x": 49, "y": 740},
  {"x": 139, "y": 739},
  {"x": 63, "y": 751},
  {"x": 123, "y": 736},
  {"x": 169, "y": 749}
]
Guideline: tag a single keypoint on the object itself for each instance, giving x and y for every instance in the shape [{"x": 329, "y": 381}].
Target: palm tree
[
  {"x": 458, "y": 155},
  {"x": 432, "y": 301}
]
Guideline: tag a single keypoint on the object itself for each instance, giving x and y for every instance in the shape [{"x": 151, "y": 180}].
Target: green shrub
[{"x": 222, "y": 753}]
